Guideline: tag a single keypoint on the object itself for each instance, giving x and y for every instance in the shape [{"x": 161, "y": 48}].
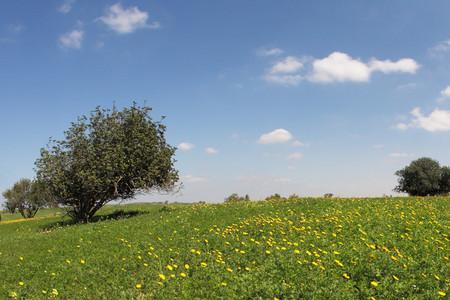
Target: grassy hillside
[{"x": 308, "y": 248}]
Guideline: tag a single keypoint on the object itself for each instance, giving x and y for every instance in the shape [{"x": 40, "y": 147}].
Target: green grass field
[{"x": 395, "y": 248}]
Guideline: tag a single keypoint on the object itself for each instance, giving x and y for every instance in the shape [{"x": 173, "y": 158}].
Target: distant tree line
[{"x": 233, "y": 198}]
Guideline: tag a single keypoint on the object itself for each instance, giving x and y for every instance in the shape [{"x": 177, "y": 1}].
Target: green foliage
[
  {"x": 26, "y": 196},
  {"x": 275, "y": 197},
  {"x": 424, "y": 177},
  {"x": 10, "y": 204},
  {"x": 236, "y": 198},
  {"x": 301, "y": 249},
  {"x": 106, "y": 156},
  {"x": 444, "y": 183}
]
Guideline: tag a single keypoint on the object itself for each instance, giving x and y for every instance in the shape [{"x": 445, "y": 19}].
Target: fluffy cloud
[
  {"x": 284, "y": 71},
  {"x": 336, "y": 67},
  {"x": 437, "y": 120},
  {"x": 126, "y": 20},
  {"x": 72, "y": 39},
  {"x": 185, "y": 146},
  {"x": 404, "y": 65},
  {"x": 211, "y": 151},
  {"x": 270, "y": 52},
  {"x": 66, "y": 7},
  {"x": 340, "y": 67},
  {"x": 295, "y": 156},
  {"x": 288, "y": 65},
  {"x": 277, "y": 136}
]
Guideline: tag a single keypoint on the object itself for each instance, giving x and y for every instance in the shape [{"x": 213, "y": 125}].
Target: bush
[
  {"x": 275, "y": 197},
  {"x": 293, "y": 197},
  {"x": 236, "y": 198}
]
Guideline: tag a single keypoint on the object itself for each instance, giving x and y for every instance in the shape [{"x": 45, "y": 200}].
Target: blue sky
[{"x": 303, "y": 97}]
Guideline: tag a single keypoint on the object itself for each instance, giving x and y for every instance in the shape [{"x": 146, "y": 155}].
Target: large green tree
[
  {"x": 108, "y": 155},
  {"x": 423, "y": 177}
]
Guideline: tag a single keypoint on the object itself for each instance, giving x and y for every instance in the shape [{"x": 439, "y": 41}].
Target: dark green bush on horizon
[{"x": 424, "y": 177}]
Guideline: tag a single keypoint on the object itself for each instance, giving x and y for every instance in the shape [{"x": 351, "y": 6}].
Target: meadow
[{"x": 308, "y": 248}]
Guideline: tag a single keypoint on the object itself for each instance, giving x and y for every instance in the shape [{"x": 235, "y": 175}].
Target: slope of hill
[{"x": 308, "y": 248}]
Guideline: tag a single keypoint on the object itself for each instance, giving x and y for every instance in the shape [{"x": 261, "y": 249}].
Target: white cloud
[
  {"x": 404, "y": 65},
  {"x": 185, "y": 146},
  {"x": 437, "y": 120},
  {"x": 276, "y": 136},
  {"x": 72, "y": 39},
  {"x": 402, "y": 126},
  {"x": 284, "y": 72},
  {"x": 400, "y": 155},
  {"x": 440, "y": 49},
  {"x": 288, "y": 65},
  {"x": 446, "y": 92},
  {"x": 295, "y": 156},
  {"x": 339, "y": 67},
  {"x": 193, "y": 179},
  {"x": 126, "y": 20},
  {"x": 297, "y": 143},
  {"x": 211, "y": 151},
  {"x": 336, "y": 67},
  {"x": 269, "y": 51},
  {"x": 66, "y": 7}
]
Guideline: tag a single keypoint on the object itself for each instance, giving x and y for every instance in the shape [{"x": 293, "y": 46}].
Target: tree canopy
[
  {"x": 424, "y": 177},
  {"x": 108, "y": 155},
  {"x": 27, "y": 197}
]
